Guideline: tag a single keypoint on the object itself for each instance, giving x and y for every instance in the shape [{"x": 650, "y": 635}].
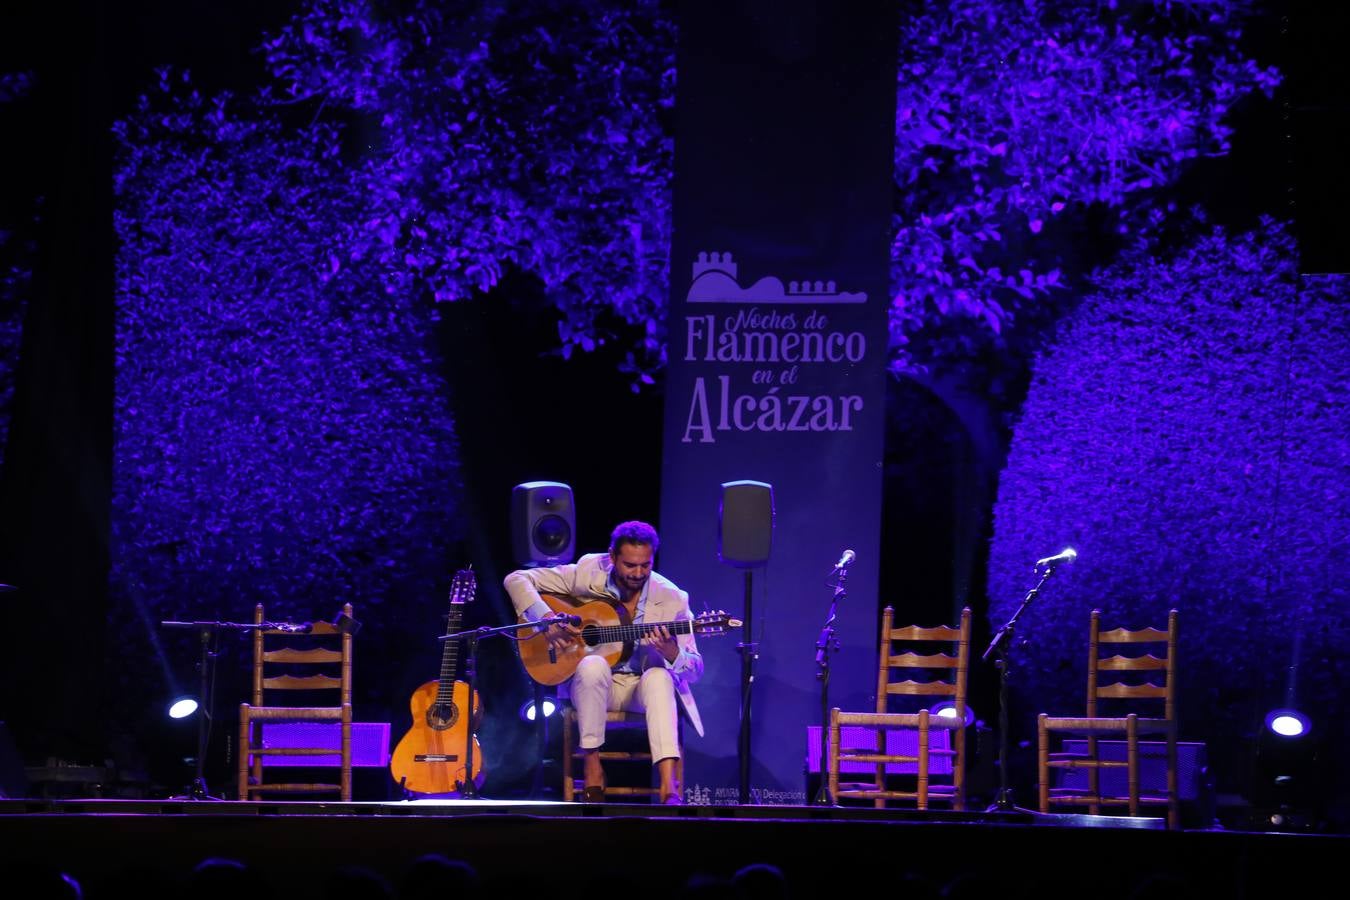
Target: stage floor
[
  {"x": 557, "y": 809},
  {"x": 149, "y": 846}
]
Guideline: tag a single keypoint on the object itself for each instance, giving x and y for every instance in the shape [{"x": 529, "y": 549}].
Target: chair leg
[
  {"x": 241, "y": 765},
  {"x": 879, "y": 770},
  {"x": 833, "y": 764},
  {"x": 1173, "y": 795},
  {"x": 959, "y": 772},
  {"x": 923, "y": 759},
  {"x": 1132, "y": 756},
  {"x": 346, "y": 782},
  {"x": 1043, "y": 762},
  {"x": 1094, "y": 776},
  {"x": 569, "y": 722}
]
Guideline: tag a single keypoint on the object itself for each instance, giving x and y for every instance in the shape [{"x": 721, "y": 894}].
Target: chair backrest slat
[
  {"x": 1120, "y": 691},
  {"x": 312, "y": 656},
  {"x": 1130, "y": 663},
  {"x": 302, "y": 683},
  {"x": 912, "y": 688},
  {"x": 918, "y": 661}
]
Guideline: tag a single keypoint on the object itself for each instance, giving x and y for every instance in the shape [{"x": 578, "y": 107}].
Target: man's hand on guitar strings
[{"x": 663, "y": 641}]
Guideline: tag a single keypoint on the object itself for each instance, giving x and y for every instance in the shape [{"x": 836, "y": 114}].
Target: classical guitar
[
  {"x": 606, "y": 630},
  {"x": 430, "y": 759}
]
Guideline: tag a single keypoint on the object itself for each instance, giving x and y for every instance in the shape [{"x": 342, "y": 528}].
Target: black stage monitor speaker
[
  {"x": 745, "y": 524},
  {"x": 543, "y": 523}
]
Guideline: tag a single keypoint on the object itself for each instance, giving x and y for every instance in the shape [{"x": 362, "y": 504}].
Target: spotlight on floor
[
  {"x": 1288, "y": 723},
  {"x": 182, "y": 707},
  {"x": 528, "y": 712},
  {"x": 1289, "y": 779},
  {"x": 947, "y": 709}
]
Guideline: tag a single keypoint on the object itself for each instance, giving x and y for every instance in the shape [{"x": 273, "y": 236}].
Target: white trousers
[{"x": 596, "y": 690}]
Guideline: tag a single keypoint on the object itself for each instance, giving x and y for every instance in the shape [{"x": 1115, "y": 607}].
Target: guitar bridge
[{"x": 435, "y": 757}]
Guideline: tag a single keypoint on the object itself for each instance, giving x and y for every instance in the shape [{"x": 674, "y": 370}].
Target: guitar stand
[{"x": 469, "y": 791}]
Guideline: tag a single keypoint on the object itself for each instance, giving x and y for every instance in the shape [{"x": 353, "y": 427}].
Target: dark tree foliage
[
  {"x": 282, "y": 432},
  {"x": 1186, "y": 434}
]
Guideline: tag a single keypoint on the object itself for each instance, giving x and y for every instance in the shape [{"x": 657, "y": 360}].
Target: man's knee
[
  {"x": 656, "y": 679},
  {"x": 592, "y": 670}
]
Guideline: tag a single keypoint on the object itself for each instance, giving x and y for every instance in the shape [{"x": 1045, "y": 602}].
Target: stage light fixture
[
  {"x": 947, "y": 709},
  {"x": 528, "y": 712},
  {"x": 1289, "y": 780},
  {"x": 1288, "y": 723},
  {"x": 182, "y": 707}
]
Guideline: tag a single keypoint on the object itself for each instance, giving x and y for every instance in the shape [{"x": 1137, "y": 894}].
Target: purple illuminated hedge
[
  {"x": 282, "y": 429},
  {"x": 1186, "y": 434}
]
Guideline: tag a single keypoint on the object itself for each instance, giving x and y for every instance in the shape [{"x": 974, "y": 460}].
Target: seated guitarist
[{"x": 661, "y": 668}]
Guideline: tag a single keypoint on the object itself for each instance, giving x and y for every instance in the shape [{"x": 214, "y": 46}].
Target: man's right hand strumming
[{"x": 561, "y": 636}]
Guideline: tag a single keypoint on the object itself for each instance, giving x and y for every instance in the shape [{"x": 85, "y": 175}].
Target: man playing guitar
[{"x": 661, "y": 667}]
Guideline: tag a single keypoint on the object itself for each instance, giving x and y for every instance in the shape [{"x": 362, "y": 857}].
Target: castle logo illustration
[{"x": 715, "y": 282}]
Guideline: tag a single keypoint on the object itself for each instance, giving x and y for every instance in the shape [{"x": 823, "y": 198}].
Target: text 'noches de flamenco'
[{"x": 770, "y": 411}]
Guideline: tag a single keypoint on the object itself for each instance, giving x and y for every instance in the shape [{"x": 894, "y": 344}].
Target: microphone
[
  {"x": 1067, "y": 556},
  {"x": 846, "y": 560},
  {"x": 294, "y": 627}
]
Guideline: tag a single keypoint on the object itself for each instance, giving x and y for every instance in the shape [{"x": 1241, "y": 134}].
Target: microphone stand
[
  {"x": 827, "y": 642},
  {"x": 206, "y": 665},
  {"x": 1001, "y": 648},
  {"x": 469, "y": 790}
]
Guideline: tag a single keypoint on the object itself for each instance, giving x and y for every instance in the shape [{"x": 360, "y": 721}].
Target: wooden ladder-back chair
[
  {"x": 945, "y": 675},
  {"x": 1094, "y": 726},
  {"x": 614, "y": 721},
  {"x": 321, "y": 650}
]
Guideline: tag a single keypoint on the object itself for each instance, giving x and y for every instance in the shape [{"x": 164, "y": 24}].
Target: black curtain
[{"x": 54, "y": 491}]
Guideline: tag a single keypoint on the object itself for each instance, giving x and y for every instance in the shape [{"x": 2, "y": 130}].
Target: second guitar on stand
[{"x": 430, "y": 757}]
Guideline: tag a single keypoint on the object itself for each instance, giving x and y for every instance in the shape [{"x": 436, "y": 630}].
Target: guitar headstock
[
  {"x": 710, "y": 624},
  {"x": 463, "y": 586}
]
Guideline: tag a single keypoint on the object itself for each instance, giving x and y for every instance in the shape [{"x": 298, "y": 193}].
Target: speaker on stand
[
  {"x": 744, "y": 540},
  {"x": 543, "y": 533}
]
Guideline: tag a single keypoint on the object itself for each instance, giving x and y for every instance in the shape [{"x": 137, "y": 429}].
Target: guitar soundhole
[{"x": 441, "y": 716}]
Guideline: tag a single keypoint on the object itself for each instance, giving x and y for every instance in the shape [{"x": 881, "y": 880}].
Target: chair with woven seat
[
  {"x": 1094, "y": 725},
  {"x": 323, "y": 653},
  {"x": 944, "y": 675},
  {"x": 614, "y": 721}
]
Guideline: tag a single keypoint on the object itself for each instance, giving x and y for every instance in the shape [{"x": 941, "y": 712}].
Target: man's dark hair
[{"x": 633, "y": 533}]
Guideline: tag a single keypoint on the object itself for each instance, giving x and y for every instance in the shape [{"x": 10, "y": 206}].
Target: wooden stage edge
[
  {"x": 523, "y": 846},
  {"x": 556, "y": 809}
]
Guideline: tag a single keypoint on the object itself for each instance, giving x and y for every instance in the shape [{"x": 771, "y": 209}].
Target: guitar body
[
  {"x": 595, "y": 614},
  {"x": 438, "y": 730}
]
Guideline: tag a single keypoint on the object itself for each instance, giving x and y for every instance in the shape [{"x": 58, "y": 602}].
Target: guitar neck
[
  {"x": 445, "y": 690},
  {"x": 608, "y": 633}
]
